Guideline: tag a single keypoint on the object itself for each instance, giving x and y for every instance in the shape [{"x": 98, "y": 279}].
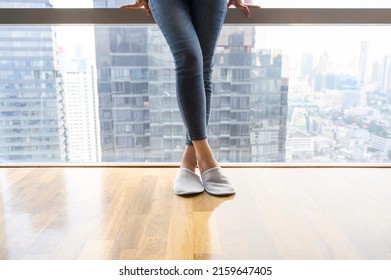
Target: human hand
[
  {"x": 139, "y": 4},
  {"x": 245, "y": 8}
]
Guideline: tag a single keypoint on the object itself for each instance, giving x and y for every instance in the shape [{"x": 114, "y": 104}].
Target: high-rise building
[
  {"x": 139, "y": 115},
  {"x": 386, "y": 79},
  {"x": 81, "y": 109},
  {"x": 307, "y": 65},
  {"x": 249, "y": 109},
  {"x": 139, "y": 119},
  {"x": 231, "y": 116},
  {"x": 271, "y": 104},
  {"x": 324, "y": 64},
  {"x": 376, "y": 76},
  {"x": 363, "y": 63},
  {"x": 32, "y": 124}
]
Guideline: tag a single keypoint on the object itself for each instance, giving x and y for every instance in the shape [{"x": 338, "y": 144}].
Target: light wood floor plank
[{"x": 132, "y": 213}]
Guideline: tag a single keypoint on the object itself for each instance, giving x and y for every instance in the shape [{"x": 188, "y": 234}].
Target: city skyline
[{"x": 338, "y": 102}]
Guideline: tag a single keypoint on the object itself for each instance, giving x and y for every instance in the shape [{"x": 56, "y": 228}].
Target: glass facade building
[
  {"x": 139, "y": 115},
  {"x": 249, "y": 109},
  {"x": 32, "y": 126}
]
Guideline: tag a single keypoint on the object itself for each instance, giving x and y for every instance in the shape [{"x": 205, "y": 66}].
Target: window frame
[{"x": 264, "y": 16}]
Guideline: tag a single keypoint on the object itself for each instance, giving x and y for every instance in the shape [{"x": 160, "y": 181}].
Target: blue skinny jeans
[{"x": 191, "y": 29}]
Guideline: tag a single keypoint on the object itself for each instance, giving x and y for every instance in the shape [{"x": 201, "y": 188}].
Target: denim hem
[
  {"x": 199, "y": 138},
  {"x": 190, "y": 143}
]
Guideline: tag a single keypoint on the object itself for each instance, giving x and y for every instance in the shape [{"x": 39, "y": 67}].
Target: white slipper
[
  {"x": 216, "y": 183},
  {"x": 187, "y": 182}
]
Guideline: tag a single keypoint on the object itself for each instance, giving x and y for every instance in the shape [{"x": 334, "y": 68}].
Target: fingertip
[{"x": 248, "y": 12}]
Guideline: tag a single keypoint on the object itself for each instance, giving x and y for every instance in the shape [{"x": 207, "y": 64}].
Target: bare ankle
[
  {"x": 190, "y": 166},
  {"x": 204, "y": 154},
  {"x": 204, "y": 165},
  {"x": 189, "y": 159}
]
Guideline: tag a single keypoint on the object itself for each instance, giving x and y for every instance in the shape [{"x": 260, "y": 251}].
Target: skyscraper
[
  {"x": 386, "y": 79},
  {"x": 269, "y": 106},
  {"x": 307, "y": 65},
  {"x": 363, "y": 64},
  {"x": 249, "y": 101},
  {"x": 139, "y": 115},
  {"x": 81, "y": 108},
  {"x": 32, "y": 124}
]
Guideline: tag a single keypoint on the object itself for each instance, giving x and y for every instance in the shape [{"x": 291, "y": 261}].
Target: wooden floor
[{"x": 132, "y": 213}]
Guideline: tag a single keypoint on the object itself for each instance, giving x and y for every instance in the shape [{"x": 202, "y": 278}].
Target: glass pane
[
  {"x": 263, "y": 3},
  {"x": 281, "y": 94}
]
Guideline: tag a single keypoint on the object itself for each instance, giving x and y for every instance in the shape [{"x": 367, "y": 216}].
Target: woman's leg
[
  {"x": 189, "y": 158},
  {"x": 208, "y": 18},
  {"x": 174, "y": 20},
  {"x": 177, "y": 21}
]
